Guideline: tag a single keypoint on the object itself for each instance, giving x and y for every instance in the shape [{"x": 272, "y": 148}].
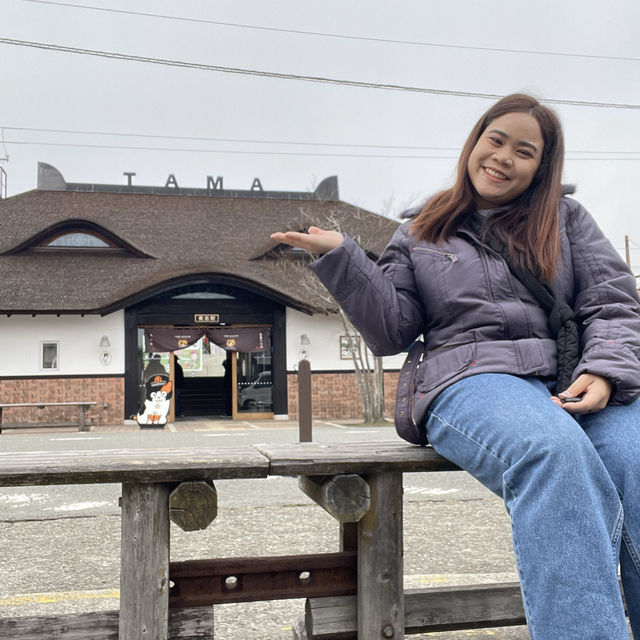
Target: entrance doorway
[{"x": 210, "y": 377}]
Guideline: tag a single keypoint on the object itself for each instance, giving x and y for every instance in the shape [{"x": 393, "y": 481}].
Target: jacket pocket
[
  {"x": 439, "y": 368},
  {"x": 530, "y": 355}
]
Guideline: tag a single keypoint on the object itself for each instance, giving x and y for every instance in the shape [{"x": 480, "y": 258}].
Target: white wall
[
  {"x": 79, "y": 338},
  {"x": 324, "y": 352}
]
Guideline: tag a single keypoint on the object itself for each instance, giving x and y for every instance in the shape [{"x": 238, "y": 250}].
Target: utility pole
[{"x": 627, "y": 253}]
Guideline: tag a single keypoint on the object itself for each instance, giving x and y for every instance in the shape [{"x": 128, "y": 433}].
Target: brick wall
[
  {"x": 99, "y": 390},
  {"x": 335, "y": 395}
]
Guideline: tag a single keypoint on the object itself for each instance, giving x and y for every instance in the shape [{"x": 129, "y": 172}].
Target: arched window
[
  {"x": 76, "y": 240},
  {"x": 78, "y": 236}
]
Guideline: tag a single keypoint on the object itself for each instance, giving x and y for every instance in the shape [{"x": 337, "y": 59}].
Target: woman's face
[{"x": 505, "y": 159}]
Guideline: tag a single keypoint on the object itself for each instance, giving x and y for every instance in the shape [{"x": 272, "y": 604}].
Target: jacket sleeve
[
  {"x": 379, "y": 298},
  {"x": 606, "y": 306}
]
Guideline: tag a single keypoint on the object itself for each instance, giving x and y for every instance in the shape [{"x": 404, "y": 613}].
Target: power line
[
  {"x": 277, "y": 153},
  {"x": 229, "y": 151},
  {"x": 306, "y": 143},
  {"x": 241, "y": 140},
  {"x": 289, "y": 76},
  {"x": 337, "y": 35}
]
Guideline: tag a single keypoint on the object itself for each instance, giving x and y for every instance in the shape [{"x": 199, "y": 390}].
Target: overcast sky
[{"x": 94, "y": 117}]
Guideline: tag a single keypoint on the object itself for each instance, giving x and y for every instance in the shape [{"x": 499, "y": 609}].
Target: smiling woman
[{"x": 529, "y": 374}]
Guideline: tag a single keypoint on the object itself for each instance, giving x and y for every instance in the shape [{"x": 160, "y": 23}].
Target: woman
[{"x": 531, "y": 370}]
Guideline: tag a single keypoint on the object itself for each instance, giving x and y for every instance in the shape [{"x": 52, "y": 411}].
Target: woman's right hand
[{"x": 316, "y": 240}]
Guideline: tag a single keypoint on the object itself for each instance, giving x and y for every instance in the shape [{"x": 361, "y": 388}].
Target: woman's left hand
[{"x": 594, "y": 392}]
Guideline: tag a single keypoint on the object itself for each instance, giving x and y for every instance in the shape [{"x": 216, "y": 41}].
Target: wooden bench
[
  {"x": 81, "y": 420},
  {"x": 355, "y": 592}
]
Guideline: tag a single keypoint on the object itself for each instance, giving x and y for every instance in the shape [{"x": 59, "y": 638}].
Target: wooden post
[
  {"x": 304, "y": 401},
  {"x": 82, "y": 417},
  {"x": 349, "y": 536},
  {"x": 172, "y": 376},
  {"x": 380, "y": 561},
  {"x": 144, "y": 570}
]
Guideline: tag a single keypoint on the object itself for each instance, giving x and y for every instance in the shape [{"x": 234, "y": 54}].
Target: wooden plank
[
  {"x": 176, "y": 465},
  {"x": 380, "y": 561},
  {"x": 184, "y": 624},
  {"x": 48, "y": 404},
  {"x": 426, "y": 611},
  {"x": 310, "y": 458},
  {"x": 144, "y": 566},
  {"x": 37, "y": 425},
  {"x": 130, "y": 465}
]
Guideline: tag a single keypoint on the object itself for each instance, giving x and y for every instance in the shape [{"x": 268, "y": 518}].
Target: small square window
[{"x": 49, "y": 352}]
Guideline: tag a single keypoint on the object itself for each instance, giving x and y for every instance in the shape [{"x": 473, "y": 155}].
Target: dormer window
[
  {"x": 77, "y": 240},
  {"x": 78, "y": 236}
]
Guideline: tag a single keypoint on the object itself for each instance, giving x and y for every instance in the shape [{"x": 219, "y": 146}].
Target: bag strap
[
  {"x": 562, "y": 322},
  {"x": 403, "y": 415}
]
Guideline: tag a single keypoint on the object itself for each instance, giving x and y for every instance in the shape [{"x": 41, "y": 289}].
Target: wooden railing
[{"x": 355, "y": 592}]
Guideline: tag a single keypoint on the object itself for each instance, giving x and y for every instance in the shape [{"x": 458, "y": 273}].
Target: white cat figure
[{"x": 159, "y": 390}]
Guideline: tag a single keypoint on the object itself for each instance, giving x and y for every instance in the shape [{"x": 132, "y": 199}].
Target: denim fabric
[{"x": 564, "y": 482}]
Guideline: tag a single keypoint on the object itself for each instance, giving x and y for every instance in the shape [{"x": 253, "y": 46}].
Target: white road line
[
  {"x": 426, "y": 491},
  {"x": 333, "y": 424},
  {"x": 223, "y": 435},
  {"x": 362, "y": 431},
  {"x": 77, "y": 506},
  {"x": 78, "y": 437},
  {"x": 253, "y": 426}
]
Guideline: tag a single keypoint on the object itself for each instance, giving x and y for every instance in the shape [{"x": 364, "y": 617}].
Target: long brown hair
[{"x": 529, "y": 225}]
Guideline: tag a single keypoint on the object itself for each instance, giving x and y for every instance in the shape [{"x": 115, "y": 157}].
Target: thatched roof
[{"x": 165, "y": 240}]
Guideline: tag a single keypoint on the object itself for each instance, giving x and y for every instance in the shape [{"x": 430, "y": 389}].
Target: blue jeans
[{"x": 564, "y": 482}]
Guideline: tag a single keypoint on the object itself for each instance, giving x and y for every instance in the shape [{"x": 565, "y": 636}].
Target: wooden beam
[
  {"x": 222, "y": 580},
  {"x": 346, "y": 497},
  {"x": 193, "y": 506},
  {"x": 184, "y": 624},
  {"x": 426, "y": 611}
]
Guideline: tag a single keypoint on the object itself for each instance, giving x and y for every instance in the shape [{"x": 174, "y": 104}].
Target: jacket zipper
[{"x": 450, "y": 256}]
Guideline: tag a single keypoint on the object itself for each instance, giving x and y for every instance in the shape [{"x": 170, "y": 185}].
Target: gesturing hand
[
  {"x": 595, "y": 391},
  {"x": 316, "y": 240}
]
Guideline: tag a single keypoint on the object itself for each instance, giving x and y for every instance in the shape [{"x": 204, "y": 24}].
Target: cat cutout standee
[{"x": 154, "y": 411}]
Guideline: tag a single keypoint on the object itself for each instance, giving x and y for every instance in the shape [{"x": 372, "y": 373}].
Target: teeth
[{"x": 495, "y": 174}]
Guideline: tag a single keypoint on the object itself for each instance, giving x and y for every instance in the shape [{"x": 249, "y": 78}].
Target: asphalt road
[{"x": 60, "y": 545}]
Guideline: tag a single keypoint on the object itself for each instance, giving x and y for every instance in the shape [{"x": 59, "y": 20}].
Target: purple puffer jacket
[{"x": 476, "y": 317}]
